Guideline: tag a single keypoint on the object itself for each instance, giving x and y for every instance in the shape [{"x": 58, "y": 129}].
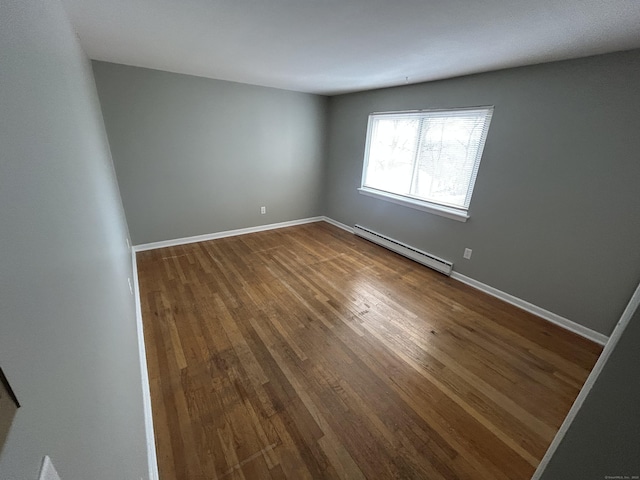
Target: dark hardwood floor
[{"x": 307, "y": 352}]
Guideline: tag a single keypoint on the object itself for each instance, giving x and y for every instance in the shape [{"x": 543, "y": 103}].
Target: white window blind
[{"x": 428, "y": 156}]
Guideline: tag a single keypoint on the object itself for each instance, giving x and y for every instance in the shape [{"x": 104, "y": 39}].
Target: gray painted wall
[
  {"x": 555, "y": 214},
  {"x": 604, "y": 439},
  {"x": 67, "y": 321},
  {"x": 196, "y": 156}
]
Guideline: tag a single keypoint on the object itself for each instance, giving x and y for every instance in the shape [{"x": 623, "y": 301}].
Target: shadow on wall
[{"x": 8, "y": 407}]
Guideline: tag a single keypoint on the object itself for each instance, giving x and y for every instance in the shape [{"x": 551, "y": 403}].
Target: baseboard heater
[{"x": 403, "y": 249}]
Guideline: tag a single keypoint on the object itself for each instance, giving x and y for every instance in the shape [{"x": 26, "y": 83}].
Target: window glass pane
[
  {"x": 432, "y": 156},
  {"x": 392, "y": 152},
  {"x": 449, "y": 147}
]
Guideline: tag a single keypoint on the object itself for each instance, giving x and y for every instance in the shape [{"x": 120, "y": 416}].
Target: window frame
[{"x": 448, "y": 211}]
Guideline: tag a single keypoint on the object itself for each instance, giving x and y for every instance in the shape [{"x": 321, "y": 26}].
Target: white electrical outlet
[
  {"x": 130, "y": 285},
  {"x": 263, "y": 210},
  {"x": 467, "y": 253},
  {"x": 128, "y": 243}
]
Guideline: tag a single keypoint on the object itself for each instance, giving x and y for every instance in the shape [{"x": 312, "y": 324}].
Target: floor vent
[{"x": 419, "y": 256}]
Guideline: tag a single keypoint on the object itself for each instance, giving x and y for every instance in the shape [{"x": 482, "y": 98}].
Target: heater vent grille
[{"x": 419, "y": 256}]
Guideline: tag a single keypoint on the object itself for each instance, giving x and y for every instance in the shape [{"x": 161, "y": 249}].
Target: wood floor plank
[{"x": 307, "y": 352}]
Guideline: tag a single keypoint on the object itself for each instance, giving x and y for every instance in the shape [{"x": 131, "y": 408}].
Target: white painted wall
[{"x": 67, "y": 320}]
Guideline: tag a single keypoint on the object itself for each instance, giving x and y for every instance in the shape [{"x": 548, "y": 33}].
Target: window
[{"x": 427, "y": 159}]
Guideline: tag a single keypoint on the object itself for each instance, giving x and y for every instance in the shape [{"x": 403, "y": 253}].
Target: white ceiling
[{"x": 338, "y": 46}]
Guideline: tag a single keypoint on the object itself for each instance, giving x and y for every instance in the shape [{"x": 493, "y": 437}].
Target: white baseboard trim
[
  {"x": 518, "y": 302},
  {"x": 335, "y": 223},
  {"x": 228, "y": 233},
  {"x": 152, "y": 459},
  {"x": 531, "y": 308}
]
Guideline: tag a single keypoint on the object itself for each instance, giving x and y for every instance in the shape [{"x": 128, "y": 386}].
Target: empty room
[{"x": 356, "y": 240}]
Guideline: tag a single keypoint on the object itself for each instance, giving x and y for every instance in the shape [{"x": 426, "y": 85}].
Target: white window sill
[{"x": 441, "y": 210}]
